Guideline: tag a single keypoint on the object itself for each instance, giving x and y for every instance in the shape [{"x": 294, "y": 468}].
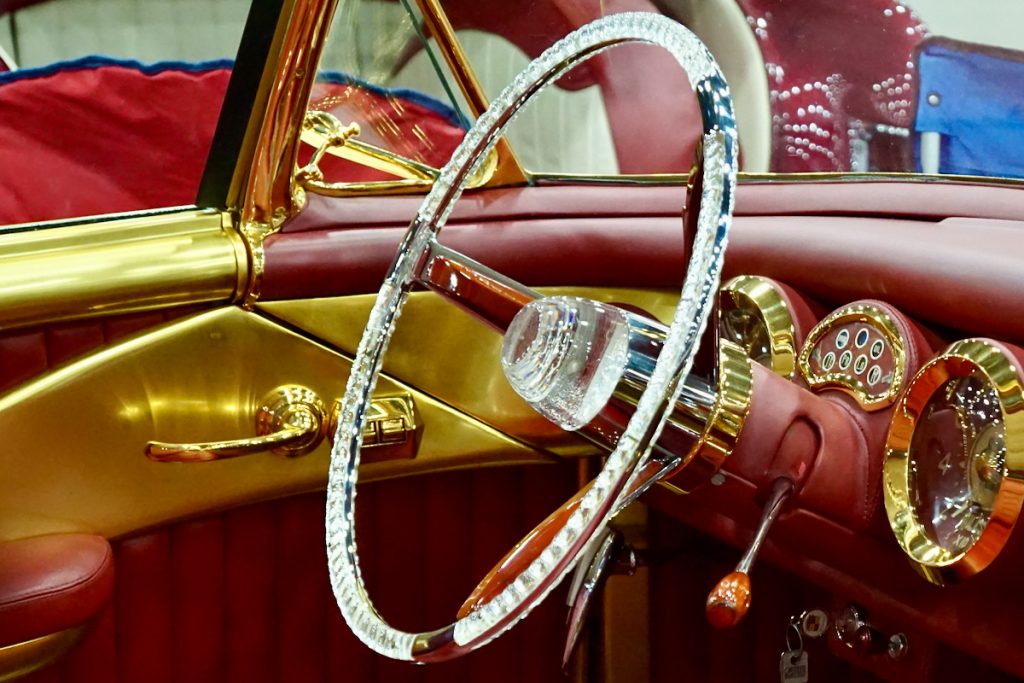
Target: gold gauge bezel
[
  {"x": 763, "y": 295},
  {"x": 881, "y": 321},
  {"x": 935, "y": 563}
]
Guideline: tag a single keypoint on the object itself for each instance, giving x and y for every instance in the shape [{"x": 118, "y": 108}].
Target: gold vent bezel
[{"x": 764, "y": 296}]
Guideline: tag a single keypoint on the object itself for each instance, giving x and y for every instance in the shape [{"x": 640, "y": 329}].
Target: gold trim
[
  {"x": 78, "y": 221},
  {"x": 880, "y": 321},
  {"x": 119, "y": 266},
  {"x": 934, "y": 562},
  {"x": 270, "y": 195},
  {"x": 252, "y": 235},
  {"x": 391, "y": 422},
  {"x": 746, "y": 177},
  {"x": 326, "y": 134},
  {"x": 198, "y": 378},
  {"x": 724, "y": 424},
  {"x": 21, "y": 659},
  {"x": 874, "y": 176},
  {"x": 508, "y": 170},
  {"x": 761, "y": 294}
]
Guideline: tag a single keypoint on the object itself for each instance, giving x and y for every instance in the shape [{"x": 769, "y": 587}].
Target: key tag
[{"x": 793, "y": 662}]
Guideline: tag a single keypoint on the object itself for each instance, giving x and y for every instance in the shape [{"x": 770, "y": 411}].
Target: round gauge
[
  {"x": 953, "y": 468},
  {"x": 754, "y": 313},
  {"x": 858, "y": 349}
]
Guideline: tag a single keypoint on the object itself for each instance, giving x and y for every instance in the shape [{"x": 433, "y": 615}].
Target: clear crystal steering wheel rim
[{"x": 701, "y": 283}]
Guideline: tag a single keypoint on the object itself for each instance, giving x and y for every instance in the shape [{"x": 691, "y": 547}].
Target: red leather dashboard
[
  {"x": 934, "y": 257},
  {"x": 946, "y": 255}
]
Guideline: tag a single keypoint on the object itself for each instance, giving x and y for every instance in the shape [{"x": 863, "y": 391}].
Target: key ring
[{"x": 794, "y": 652}]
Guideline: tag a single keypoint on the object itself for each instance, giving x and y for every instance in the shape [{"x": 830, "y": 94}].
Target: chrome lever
[
  {"x": 729, "y": 600},
  {"x": 608, "y": 553},
  {"x": 585, "y": 582}
]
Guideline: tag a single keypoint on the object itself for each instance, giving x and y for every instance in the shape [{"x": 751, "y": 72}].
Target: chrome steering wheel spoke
[{"x": 484, "y": 293}]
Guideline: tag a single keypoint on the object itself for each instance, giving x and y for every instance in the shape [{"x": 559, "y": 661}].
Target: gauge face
[
  {"x": 857, "y": 349},
  {"x": 957, "y": 457},
  {"x": 747, "y": 329},
  {"x": 953, "y": 475},
  {"x": 754, "y": 314}
]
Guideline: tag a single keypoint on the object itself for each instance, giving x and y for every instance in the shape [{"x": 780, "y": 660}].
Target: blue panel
[{"x": 980, "y": 112}]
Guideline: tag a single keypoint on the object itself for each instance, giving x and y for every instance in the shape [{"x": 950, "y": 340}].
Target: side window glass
[
  {"x": 378, "y": 77},
  {"x": 109, "y": 105}
]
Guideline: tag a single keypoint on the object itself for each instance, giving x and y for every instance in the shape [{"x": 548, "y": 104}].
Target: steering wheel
[{"x": 422, "y": 260}]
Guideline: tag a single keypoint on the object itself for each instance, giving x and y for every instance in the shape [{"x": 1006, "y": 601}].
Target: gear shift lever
[{"x": 729, "y": 601}]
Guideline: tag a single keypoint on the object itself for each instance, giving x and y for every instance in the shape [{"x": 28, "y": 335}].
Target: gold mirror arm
[
  {"x": 381, "y": 159},
  {"x": 402, "y": 186},
  {"x": 328, "y": 135}
]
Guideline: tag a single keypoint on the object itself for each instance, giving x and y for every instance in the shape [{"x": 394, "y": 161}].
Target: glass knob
[{"x": 565, "y": 356}]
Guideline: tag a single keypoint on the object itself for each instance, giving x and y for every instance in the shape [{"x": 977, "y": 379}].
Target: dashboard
[
  {"x": 936, "y": 476},
  {"x": 933, "y": 265}
]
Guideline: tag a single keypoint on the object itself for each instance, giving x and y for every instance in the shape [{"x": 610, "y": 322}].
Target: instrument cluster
[
  {"x": 953, "y": 472},
  {"x": 857, "y": 349}
]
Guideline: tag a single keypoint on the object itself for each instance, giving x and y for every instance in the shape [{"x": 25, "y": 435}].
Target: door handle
[{"x": 291, "y": 420}]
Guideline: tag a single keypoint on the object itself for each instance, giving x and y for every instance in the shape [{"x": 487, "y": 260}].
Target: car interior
[{"x": 634, "y": 340}]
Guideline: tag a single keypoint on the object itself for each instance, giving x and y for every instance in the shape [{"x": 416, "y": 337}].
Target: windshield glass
[
  {"x": 924, "y": 86},
  {"x": 380, "y": 86}
]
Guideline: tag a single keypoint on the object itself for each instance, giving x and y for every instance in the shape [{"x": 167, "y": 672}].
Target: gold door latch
[{"x": 291, "y": 420}]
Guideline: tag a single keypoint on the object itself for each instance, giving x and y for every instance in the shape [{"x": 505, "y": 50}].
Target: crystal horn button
[{"x": 565, "y": 356}]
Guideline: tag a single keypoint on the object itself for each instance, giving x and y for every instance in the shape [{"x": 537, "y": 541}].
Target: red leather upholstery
[
  {"x": 244, "y": 596},
  {"x": 638, "y": 243},
  {"x": 52, "y": 583},
  {"x": 96, "y": 136},
  {"x": 85, "y": 140},
  {"x": 25, "y": 354},
  {"x": 824, "y": 78}
]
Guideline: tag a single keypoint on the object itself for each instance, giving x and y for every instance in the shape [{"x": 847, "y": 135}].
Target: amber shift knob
[{"x": 729, "y": 601}]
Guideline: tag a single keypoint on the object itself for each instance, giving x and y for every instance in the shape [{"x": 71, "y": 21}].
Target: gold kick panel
[{"x": 74, "y": 455}]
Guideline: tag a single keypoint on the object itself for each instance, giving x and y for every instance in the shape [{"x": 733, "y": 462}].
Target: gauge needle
[{"x": 953, "y": 507}]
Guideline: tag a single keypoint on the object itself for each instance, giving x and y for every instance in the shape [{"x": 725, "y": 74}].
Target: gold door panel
[{"x": 74, "y": 439}]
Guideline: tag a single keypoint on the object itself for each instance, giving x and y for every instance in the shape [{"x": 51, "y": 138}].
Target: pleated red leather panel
[
  {"x": 243, "y": 597},
  {"x": 24, "y": 354}
]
